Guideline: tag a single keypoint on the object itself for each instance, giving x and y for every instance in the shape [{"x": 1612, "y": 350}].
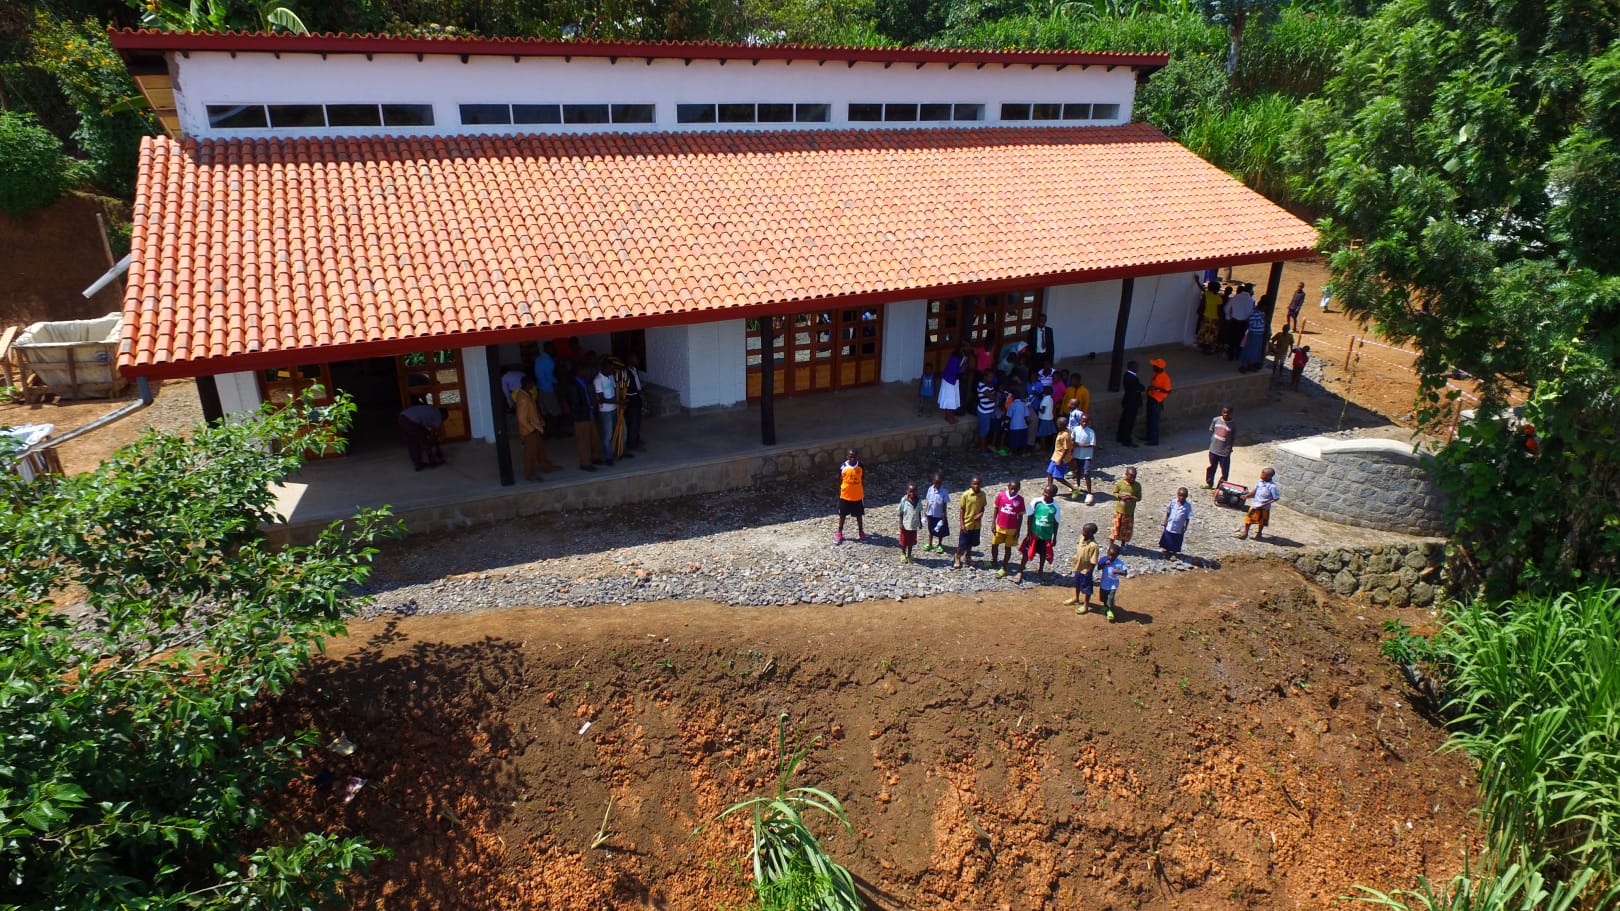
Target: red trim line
[
  {"x": 291, "y": 357},
  {"x": 146, "y": 40}
]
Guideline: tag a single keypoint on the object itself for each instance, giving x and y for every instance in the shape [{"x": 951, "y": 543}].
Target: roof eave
[
  {"x": 286, "y": 357},
  {"x": 127, "y": 41}
]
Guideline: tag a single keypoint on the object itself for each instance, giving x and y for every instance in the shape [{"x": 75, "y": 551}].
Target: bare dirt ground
[
  {"x": 175, "y": 408},
  {"x": 1236, "y": 742},
  {"x": 1377, "y": 374}
]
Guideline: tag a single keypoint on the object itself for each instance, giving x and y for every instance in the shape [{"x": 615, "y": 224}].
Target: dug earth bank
[{"x": 1234, "y": 741}]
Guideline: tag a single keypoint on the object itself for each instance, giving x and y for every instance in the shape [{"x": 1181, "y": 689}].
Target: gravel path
[{"x": 773, "y": 544}]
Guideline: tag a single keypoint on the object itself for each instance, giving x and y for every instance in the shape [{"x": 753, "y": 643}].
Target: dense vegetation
[{"x": 129, "y": 777}]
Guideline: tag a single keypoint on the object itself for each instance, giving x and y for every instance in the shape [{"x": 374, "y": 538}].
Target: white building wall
[
  {"x": 238, "y": 392},
  {"x": 444, "y": 81},
  {"x": 669, "y": 360},
  {"x": 1164, "y": 311},
  {"x": 717, "y": 363},
  {"x": 1082, "y": 317},
  {"x": 703, "y": 362},
  {"x": 904, "y": 333},
  {"x": 480, "y": 413}
]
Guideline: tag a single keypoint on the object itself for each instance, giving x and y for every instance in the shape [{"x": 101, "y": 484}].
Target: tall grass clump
[
  {"x": 1296, "y": 55},
  {"x": 1245, "y": 137},
  {"x": 792, "y": 871},
  {"x": 1533, "y": 690}
]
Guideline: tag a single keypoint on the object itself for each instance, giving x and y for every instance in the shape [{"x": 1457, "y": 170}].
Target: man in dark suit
[
  {"x": 1129, "y": 405},
  {"x": 1041, "y": 349}
]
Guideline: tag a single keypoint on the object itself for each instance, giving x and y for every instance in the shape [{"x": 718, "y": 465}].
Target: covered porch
[{"x": 706, "y": 452}]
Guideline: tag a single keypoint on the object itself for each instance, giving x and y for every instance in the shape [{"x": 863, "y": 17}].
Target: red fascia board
[
  {"x": 171, "y": 370},
  {"x": 146, "y": 40}
]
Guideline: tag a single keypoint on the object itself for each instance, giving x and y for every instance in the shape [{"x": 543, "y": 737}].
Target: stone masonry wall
[
  {"x": 1379, "y": 484},
  {"x": 1404, "y": 575}
]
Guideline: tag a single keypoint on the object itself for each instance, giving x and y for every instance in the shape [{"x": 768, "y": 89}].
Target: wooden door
[
  {"x": 437, "y": 378},
  {"x": 819, "y": 351},
  {"x": 281, "y": 386}
]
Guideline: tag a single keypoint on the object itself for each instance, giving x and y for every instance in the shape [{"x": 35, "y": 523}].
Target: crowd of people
[{"x": 1023, "y": 531}]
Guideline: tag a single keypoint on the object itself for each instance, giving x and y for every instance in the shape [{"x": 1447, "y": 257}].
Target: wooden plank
[{"x": 6, "y": 359}]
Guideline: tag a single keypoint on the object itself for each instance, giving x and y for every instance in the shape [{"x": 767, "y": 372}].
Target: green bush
[
  {"x": 33, "y": 170},
  {"x": 1179, "y": 94}
]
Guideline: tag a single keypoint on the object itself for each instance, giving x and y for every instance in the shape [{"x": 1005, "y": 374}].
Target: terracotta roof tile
[{"x": 257, "y": 248}]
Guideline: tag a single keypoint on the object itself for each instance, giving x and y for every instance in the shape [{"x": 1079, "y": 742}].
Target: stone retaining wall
[
  {"x": 1379, "y": 484},
  {"x": 1406, "y": 575}
]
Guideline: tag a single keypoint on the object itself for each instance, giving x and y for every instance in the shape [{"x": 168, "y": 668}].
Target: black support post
[
  {"x": 1116, "y": 369},
  {"x": 1273, "y": 288},
  {"x": 767, "y": 380},
  {"x": 497, "y": 404}
]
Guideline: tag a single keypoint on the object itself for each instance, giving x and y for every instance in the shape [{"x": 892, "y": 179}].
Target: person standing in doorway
[
  {"x": 532, "y": 430},
  {"x": 1127, "y": 493},
  {"x": 1221, "y": 436},
  {"x": 582, "y": 410},
  {"x": 1158, "y": 390},
  {"x": 950, "y": 385},
  {"x": 1042, "y": 350},
  {"x": 633, "y": 400},
  {"x": 851, "y": 495},
  {"x": 1129, "y": 404}
]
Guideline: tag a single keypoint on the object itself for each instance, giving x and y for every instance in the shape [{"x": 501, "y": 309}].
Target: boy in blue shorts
[
  {"x": 1109, "y": 572},
  {"x": 1085, "y": 563}
]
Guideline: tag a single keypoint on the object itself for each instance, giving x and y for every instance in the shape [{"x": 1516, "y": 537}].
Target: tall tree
[{"x": 1469, "y": 155}]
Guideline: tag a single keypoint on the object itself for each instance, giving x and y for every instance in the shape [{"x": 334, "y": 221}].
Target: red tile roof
[
  {"x": 281, "y": 42},
  {"x": 257, "y": 253}
]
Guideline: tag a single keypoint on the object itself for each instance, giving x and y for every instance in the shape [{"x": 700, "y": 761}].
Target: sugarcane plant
[{"x": 792, "y": 871}]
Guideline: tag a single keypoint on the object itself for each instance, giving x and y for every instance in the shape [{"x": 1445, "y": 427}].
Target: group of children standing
[
  {"x": 1017, "y": 411},
  {"x": 1020, "y": 529}
]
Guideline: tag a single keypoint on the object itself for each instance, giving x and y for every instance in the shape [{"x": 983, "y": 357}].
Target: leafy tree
[
  {"x": 1238, "y": 17},
  {"x": 33, "y": 170},
  {"x": 218, "y": 16},
  {"x": 141, "y": 617},
  {"x": 1467, "y": 153},
  {"x": 112, "y": 115}
]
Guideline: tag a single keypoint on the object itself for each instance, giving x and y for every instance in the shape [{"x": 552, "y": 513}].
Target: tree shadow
[{"x": 416, "y": 757}]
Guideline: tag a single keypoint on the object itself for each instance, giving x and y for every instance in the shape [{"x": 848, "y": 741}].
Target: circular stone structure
[{"x": 1381, "y": 484}]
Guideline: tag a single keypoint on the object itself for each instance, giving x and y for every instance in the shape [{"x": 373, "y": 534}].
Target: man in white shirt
[{"x": 607, "y": 398}]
